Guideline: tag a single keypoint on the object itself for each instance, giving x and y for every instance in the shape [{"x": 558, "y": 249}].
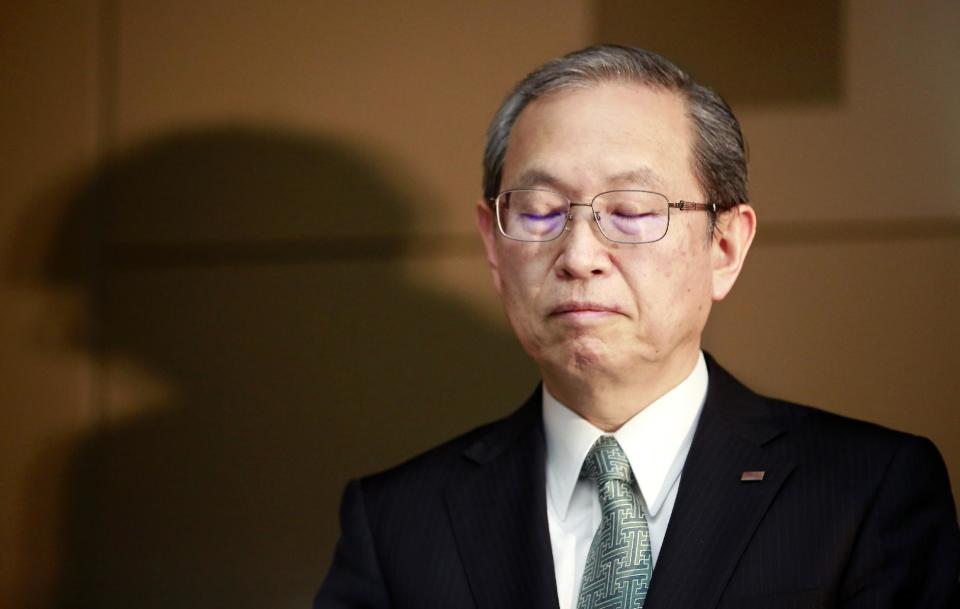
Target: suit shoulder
[
  {"x": 434, "y": 459},
  {"x": 825, "y": 446},
  {"x": 842, "y": 437},
  {"x": 810, "y": 426},
  {"x": 428, "y": 471},
  {"x": 802, "y": 417}
]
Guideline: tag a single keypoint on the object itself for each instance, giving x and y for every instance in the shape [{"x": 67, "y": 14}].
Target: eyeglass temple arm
[{"x": 688, "y": 206}]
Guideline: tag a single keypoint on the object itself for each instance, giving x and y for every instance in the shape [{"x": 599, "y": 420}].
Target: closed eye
[
  {"x": 548, "y": 216},
  {"x": 620, "y": 214}
]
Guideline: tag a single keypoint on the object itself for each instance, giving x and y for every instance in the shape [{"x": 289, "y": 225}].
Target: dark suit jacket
[{"x": 848, "y": 514}]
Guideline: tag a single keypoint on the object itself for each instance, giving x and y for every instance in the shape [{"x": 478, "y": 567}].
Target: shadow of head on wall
[{"x": 255, "y": 276}]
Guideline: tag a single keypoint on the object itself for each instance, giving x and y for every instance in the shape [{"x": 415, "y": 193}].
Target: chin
[{"x": 585, "y": 354}]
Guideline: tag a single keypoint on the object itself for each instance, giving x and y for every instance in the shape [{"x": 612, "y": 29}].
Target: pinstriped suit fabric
[{"x": 619, "y": 565}]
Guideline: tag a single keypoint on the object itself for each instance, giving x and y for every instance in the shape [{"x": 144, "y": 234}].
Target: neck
[{"x": 608, "y": 402}]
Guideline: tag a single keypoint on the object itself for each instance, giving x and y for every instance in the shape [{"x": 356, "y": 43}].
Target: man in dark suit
[{"x": 640, "y": 473}]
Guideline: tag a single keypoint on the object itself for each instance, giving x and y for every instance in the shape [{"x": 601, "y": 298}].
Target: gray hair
[{"x": 719, "y": 151}]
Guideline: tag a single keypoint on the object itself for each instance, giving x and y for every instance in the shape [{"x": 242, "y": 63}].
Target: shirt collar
[{"x": 651, "y": 440}]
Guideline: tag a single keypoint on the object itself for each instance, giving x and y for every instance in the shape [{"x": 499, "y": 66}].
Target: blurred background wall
[{"x": 237, "y": 261}]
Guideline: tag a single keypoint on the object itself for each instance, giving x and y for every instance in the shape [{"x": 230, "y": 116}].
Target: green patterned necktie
[{"x": 619, "y": 565}]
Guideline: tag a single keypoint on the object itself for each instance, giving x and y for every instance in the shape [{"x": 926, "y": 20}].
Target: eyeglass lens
[{"x": 629, "y": 216}]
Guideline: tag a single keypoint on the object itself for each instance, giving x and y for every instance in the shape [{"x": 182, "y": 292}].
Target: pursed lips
[{"x": 583, "y": 309}]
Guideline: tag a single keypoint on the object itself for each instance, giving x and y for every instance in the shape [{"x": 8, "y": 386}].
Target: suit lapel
[
  {"x": 716, "y": 513},
  {"x": 498, "y": 513}
]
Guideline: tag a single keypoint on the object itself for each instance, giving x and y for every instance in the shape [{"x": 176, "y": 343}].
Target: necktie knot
[{"x": 606, "y": 462}]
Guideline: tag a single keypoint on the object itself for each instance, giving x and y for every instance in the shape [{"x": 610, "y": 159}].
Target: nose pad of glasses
[{"x": 569, "y": 223}]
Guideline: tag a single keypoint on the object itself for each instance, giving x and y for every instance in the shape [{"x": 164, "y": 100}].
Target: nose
[{"x": 584, "y": 251}]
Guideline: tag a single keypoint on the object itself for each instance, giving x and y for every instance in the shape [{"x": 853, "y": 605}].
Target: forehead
[{"x": 612, "y": 135}]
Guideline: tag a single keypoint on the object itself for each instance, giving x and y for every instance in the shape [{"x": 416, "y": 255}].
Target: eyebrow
[
  {"x": 538, "y": 177},
  {"x": 639, "y": 176}
]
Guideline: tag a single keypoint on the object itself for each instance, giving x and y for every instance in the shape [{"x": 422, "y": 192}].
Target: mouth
[{"x": 583, "y": 309}]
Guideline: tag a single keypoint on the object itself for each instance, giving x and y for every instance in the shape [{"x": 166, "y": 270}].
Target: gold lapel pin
[{"x": 752, "y": 476}]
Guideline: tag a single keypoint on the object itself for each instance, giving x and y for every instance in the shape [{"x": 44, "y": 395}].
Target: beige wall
[
  {"x": 48, "y": 108},
  {"x": 204, "y": 334}
]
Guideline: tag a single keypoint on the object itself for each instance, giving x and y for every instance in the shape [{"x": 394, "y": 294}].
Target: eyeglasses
[{"x": 624, "y": 216}]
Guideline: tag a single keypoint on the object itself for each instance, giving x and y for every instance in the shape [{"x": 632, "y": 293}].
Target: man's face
[{"x": 583, "y": 306}]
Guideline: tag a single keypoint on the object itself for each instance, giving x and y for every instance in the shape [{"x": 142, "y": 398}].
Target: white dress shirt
[{"x": 656, "y": 441}]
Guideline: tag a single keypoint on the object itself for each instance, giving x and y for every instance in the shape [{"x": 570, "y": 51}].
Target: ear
[
  {"x": 486, "y": 223},
  {"x": 732, "y": 237}
]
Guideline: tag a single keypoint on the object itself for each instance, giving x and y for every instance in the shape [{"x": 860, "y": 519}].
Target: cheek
[
  {"x": 521, "y": 269},
  {"x": 671, "y": 290},
  {"x": 521, "y": 277},
  {"x": 519, "y": 297},
  {"x": 692, "y": 299}
]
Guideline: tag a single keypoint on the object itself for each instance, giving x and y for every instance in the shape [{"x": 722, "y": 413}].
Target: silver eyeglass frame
[{"x": 678, "y": 205}]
